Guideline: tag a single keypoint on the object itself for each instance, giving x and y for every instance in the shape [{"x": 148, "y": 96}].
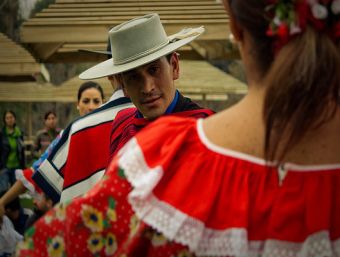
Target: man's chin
[{"x": 152, "y": 115}]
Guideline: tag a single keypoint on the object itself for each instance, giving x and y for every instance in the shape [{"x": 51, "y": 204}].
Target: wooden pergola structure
[
  {"x": 59, "y": 31},
  {"x": 17, "y": 64},
  {"x": 200, "y": 88},
  {"x": 22, "y": 78}
]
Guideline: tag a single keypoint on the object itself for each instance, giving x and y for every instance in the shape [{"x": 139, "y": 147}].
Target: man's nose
[{"x": 148, "y": 84}]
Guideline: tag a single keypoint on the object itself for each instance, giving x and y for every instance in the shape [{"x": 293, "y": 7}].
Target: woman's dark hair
[
  {"x": 48, "y": 113},
  {"x": 4, "y": 116},
  {"x": 87, "y": 85},
  {"x": 301, "y": 81}
]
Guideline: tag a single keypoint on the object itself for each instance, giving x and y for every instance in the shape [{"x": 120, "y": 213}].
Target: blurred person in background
[
  {"x": 45, "y": 136},
  {"x": 12, "y": 152}
]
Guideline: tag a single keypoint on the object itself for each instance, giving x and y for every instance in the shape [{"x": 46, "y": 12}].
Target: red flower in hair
[
  {"x": 336, "y": 33},
  {"x": 283, "y": 32}
]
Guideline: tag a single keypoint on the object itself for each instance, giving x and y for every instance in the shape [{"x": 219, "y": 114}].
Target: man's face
[{"x": 151, "y": 87}]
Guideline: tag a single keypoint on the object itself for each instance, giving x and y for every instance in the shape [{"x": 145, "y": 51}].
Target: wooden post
[{"x": 29, "y": 121}]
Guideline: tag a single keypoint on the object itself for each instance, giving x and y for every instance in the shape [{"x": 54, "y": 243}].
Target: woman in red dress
[{"x": 261, "y": 178}]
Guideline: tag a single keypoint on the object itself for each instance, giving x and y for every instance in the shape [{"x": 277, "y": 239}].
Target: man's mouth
[{"x": 150, "y": 101}]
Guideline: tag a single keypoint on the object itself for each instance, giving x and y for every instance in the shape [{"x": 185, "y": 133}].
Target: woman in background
[{"x": 12, "y": 152}]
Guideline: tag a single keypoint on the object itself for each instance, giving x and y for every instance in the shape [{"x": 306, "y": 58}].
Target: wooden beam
[
  {"x": 133, "y": 8},
  {"x": 98, "y": 33},
  {"x": 110, "y": 1},
  {"x": 19, "y": 69},
  {"x": 121, "y": 18},
  {"x": 44, "y": 51},
  {"x": 136, "y": 3},
  {"x": 88, "y": 13}
]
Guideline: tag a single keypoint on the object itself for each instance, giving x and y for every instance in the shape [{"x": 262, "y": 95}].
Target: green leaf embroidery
[
  {"x": 121, "y": 173},
  {"x": 112, "y": 203},
  {"x": 30, "y": 232},
  {"x": 106, "y": 223}
]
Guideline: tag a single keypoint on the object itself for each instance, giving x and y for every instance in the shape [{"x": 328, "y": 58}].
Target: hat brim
[
  {"x": 108, "y": 68},
  {"x": 95, "y": 51}
]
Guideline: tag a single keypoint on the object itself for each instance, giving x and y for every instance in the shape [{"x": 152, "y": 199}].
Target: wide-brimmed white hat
[{"x": 138, "y": 42}]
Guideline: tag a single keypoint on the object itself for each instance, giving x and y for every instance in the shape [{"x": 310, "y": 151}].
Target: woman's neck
[{"x": 10, "y": 129}]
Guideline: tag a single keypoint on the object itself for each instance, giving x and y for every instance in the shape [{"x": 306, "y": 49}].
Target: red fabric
[
  {"x": 249, "y": 195},
  {"x": 25, "y": 176},
  {"x": 109, "y": 215},
  {"x": 126, "y": 125},
  {"x": 219, "y": 189},
  {"x": 87, "y": 143}
]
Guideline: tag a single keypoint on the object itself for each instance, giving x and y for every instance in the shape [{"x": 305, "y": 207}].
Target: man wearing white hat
[{"x": 144, "y": 62}]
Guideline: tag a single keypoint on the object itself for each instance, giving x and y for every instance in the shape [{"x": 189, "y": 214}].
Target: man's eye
[
  {"x": 96, "y": 101},
  {"x": 86, "y": 101},
  {"x": 153, "y": 70},
  {"x": 132, "y": 77}
]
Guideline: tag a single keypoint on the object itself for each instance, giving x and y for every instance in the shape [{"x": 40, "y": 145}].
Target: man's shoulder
[{"x": 124, "y": 117}]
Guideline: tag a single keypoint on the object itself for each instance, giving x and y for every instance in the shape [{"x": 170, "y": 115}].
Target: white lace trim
[{"x": 203, "y": 241}]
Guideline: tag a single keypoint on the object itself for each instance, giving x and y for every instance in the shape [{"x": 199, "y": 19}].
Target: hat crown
[{"x": 136, "y": 38}]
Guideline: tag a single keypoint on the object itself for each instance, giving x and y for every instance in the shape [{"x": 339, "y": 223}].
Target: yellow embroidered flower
[
  {"x": 92, "y": 218},
  {"x": 110, "y": 244},
  {"x": 111, "y": 214},
  {"x": 158, "y": 239},
  {"x": 25, "y": 245},
  {"x": 61, "y": 212},
  {"x": 134, "y": 223},
  {"x": 184, "y": 253},
  {"x": 56, "y": 247},
  {"x": 95, "y": 243},
  {"x": 48, "y": 218}
]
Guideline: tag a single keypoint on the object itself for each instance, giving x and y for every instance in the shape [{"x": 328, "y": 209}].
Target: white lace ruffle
[{"x": 203, "y": 241}]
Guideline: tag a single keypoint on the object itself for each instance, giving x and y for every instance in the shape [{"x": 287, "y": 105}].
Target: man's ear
[
  {"x": 120, "y": 80},
  {"x": 174, "y": 61}
]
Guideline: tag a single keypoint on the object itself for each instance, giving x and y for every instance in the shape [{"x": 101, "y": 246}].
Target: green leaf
[
  {"x": 31, "y": 244},
  {"x": 112, "y": 203},
  {"x": 30, "y": 232},
  {"x": 106, "y": 223},
  {"x": 121, "y": 173}
]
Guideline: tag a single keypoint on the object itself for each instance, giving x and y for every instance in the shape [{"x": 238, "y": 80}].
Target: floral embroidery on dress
[
  {"x": 56, "y": 247},
  {"x": 134, "y": 223},
  {"x": 111, "y": 212},
  {"x": 48, "y": 218},
  {"x": 61, "y": 212},
  {"x": 92, "y": 218},
  {"x": 95, "y": 243},
  {"x": 121, "y": 173},
  {"x": 184, "y": 253},
  {"x": 110, "y": 244}
]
